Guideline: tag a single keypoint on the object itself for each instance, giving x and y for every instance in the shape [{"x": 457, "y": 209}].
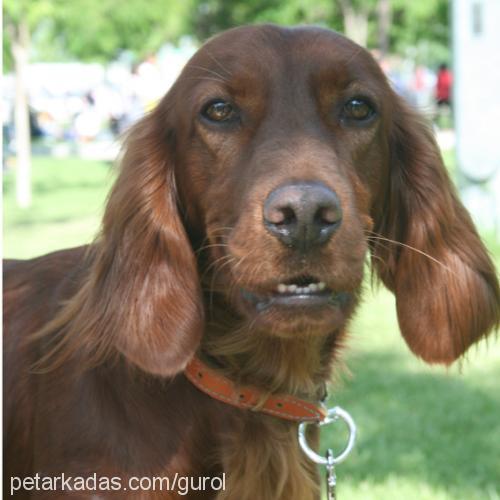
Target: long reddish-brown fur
[{"x": 96, "y": 338}]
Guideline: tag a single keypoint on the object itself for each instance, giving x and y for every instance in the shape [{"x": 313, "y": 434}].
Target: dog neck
[{"x": 298, "y": 366}]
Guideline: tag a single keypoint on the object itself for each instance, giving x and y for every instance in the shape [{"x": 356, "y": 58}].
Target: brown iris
[
  {"x": 219, "y": 111},
  {"x": 358, "y": 109}
]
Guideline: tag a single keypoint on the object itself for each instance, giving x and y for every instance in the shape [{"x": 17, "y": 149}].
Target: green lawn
[
  {"x": 68, "y": 198},
  {"x": 424, "y": 433}
]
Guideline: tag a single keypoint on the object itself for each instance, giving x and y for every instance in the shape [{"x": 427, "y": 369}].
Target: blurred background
[{"x": 77, "y": 74}]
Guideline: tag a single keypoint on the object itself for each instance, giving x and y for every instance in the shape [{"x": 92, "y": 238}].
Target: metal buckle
[{"x": 333, "y": 414}]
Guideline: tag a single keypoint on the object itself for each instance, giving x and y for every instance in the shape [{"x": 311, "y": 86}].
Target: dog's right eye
[
  {"x": 219, "y": 111},
  {"x": 358, "y": 110}
]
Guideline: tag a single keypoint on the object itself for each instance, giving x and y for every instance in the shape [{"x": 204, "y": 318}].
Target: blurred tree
[
  {"x": 421, "y": 29},
  {"x": 20, "y": 19},
  {"x": 96, "y": 30},
  {"x": 384, "y": 23},
  {"x": 101, "y": 29},
  {"x": 418, "y": 29},
  {"x": 83, "y": 29},
  {"x": 212, "y": 16},
  {"x": 391, "y": 25},
  {"x": 356, "y": 15}
]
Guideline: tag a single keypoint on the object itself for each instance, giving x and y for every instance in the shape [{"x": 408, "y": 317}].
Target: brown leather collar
[{"x": 251, "y": 398}]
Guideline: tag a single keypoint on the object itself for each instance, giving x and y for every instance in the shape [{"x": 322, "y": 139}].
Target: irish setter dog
[{"x": 238, "y": 229}]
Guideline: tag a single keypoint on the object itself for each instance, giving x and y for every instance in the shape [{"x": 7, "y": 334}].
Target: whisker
[
  {"x": 217, "y": 270},
  {"x": 378, "y": 258},
  {"x": 224, "y": 264},
  {"x": 217, "y": 229},
  {"x": 242, "y": 259},
  {"x": 382, "y": 243},
  {"x": 214, "y": 232},
  {"x": 374, "y": 237},
  {"x": 355, "y": 54},
  {"x": 256, "y": 271},
  {"x": 209, "y": 71},
  {"x": 221, "y": 66},
  {"x": 218, "y": 80},
  {"x": 211, "y": 245},
  {"x": 215, "y": 263}
]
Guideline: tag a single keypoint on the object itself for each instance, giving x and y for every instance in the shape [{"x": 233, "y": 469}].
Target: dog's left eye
[
  {"x": 219, "y": 111},
  {"x": 358, "y": 109}
]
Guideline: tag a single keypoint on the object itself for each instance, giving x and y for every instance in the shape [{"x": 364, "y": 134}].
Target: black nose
[{"x": 302, "y": 215}]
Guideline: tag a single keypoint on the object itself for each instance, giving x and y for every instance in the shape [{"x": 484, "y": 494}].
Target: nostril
[
  {"x": 328, "y": 215},
  {"x": 280, "y": 216},
  {"x": 274, "y": 216},
  {"x": 288, "y": 216}
]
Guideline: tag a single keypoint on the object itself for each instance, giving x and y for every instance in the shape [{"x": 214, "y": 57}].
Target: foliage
[
  {"x": 213, "y": 16},
  {"x": 96, "y": 29},
  {"x": 421, "y": 30},
  {"x": 108, "y": 27},
  {"x": 101, "y": 29},
  {"x": 412, "y": 23},
  {"x": 32, "y": 12}
]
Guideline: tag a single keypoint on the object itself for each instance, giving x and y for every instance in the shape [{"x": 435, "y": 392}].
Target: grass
[
  {"x": 68, "y": 198},
  {"x": 425, "y": 433}
]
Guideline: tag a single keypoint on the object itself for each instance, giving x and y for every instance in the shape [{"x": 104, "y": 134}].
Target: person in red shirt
[{"x": 443, "y": 86}]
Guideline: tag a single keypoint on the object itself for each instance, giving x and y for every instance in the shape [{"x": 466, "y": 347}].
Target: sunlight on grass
[{"x": 68, "y": 199}]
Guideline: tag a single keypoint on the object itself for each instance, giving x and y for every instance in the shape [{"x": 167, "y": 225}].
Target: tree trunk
[
  {"x": 384, "y": 23},
  {"x": 355, "y": 22},
  {"x": 20, "y": 52}
]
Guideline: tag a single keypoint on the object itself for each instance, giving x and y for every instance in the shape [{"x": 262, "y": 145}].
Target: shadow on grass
[{"x": 435, "y": 429}]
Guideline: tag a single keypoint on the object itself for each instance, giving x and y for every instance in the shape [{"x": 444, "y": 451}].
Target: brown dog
[{"x": 238, "y": 228}]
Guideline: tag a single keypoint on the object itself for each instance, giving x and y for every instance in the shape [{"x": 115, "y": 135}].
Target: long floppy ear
[
  {"x": 142, "y": 297},
  {"x": 144, "y": 287},
  {"x": 445, "y": 284}
]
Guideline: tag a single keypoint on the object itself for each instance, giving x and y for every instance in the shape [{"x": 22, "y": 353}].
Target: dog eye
[
  {"x": 358, "y": 109},
  {"x": 219, "y": 111}
]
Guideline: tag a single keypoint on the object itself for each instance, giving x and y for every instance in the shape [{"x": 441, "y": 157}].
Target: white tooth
[
  {"x": 292, "y": 288},
  {"x": 306, "y": 289},
  {"x": 299, "y": 290},
  {"x": 282, "y": 288},
  {"x": 321, "y": 285},
  {"x": 313, "y": 287}
]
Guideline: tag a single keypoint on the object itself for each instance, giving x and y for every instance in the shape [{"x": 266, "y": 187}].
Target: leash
[{"x": 281, "y": 406}]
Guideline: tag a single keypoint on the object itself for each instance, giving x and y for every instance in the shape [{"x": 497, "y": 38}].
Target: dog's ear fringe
[
  {"x": 142, "y": 297},
  {"x": 429, "y": 253}
]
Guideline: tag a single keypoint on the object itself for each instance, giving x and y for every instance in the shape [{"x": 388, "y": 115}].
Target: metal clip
[
  {"x": 333, "y": 415},
  {"x": 330, "y": 460},
  {"x": 331, "y": 478}
]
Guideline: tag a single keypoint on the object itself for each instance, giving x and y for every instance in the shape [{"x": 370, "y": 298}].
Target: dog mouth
[{"x": 299, "y": 292}]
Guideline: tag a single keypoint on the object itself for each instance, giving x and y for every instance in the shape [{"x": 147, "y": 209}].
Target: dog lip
[{"x": 320, "y": 298}]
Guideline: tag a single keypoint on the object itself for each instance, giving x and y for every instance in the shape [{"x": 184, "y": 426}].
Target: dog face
[
  {"x": 276, "y": 162},
  {"x": 287, "y": 157}
]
